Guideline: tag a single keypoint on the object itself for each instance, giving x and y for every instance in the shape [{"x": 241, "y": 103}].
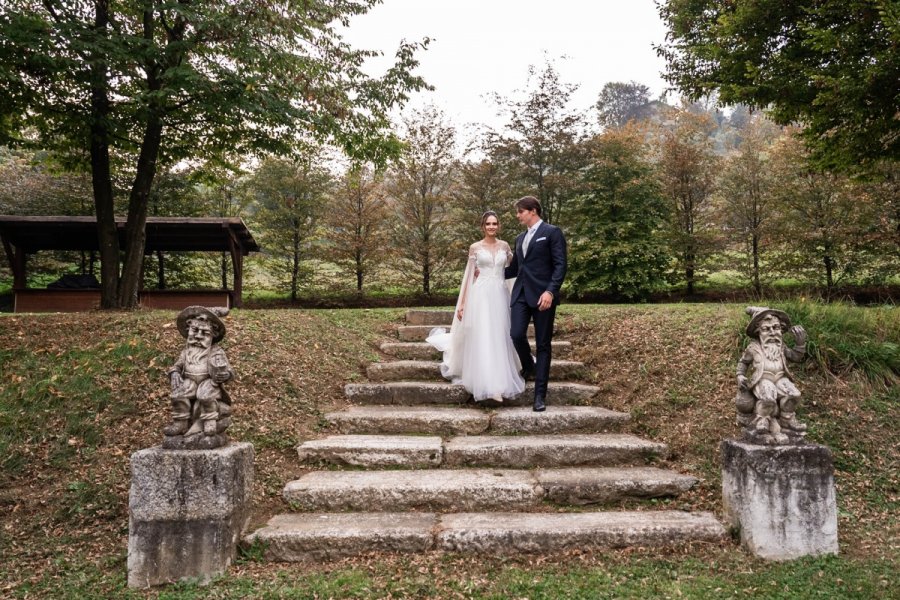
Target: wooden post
[
  {"x": 237, "y": 263},
  {"x": 16, "y": 258}
]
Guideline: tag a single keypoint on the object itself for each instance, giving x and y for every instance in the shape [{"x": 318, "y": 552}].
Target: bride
[{"x": 478, "y": 352}]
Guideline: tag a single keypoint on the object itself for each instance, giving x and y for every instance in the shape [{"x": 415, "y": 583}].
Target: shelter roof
[{"x": 167, "y": 234}]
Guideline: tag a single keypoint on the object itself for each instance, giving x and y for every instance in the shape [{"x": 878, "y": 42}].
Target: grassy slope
[{"x": 80, "y": 393}]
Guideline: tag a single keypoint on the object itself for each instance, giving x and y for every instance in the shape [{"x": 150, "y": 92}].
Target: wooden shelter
[{"x": 22, "y": 236}]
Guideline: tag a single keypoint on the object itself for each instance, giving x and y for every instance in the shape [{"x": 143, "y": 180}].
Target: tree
[
  {"x": 832, "y": 65},
  {"x": 422, "y": 188},
  {"x": 825, "y": 224},
  {"x": 122, "y": 88},
  {"x": 621, "y": 102},
  {"x": 746, "y": 188},
  {"x": 687, "y": 167},
  {"x": 543, "y": 142},
  {"x": 290, "y": 195},
  {"x": 357, "y": 218},
  {"x": 616, "y": 244}
]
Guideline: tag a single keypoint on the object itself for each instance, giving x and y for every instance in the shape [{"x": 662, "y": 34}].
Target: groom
[{"x": 539, "y": 266}]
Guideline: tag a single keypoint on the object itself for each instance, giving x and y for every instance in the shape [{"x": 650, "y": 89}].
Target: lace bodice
[{"x": 490, "y": 261}]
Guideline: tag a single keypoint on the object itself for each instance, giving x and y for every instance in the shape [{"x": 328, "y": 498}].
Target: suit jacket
[{"x": 543, "y": 269}]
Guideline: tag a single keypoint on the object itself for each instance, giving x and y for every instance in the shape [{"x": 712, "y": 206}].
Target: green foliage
[
  {"x": 832, "y": 65},
  {"x": 843, "y": 338},
  {"x": 615, "y": 242},
  {"x": 422, "y": 187},
  {"x": 687, "y": 167},
  {"x": 826, "y": 224},
  {"x": 124, "y": 87},
  {"x": 541, "y": 148},
  {"x": 290, "y": 198},
  {"x": 621, "y": 102}
]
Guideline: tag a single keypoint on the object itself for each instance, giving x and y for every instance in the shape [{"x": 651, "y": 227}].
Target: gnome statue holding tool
[
  {"x": 201, "y": 407},
  {"x": 767, "y": 398}
]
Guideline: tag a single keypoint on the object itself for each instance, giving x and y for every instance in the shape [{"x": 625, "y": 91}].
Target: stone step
[
  {"x": 556, "y": 419},
  {"x": 516, "y": 452},
  {"x": 526, "y": 451},
  {"x": 514, "y": 533},
  {"x": 328, "y": 536},
  {"x": 436, "y": 489},
  {"x": 448, "y": 421},
  {"x": 405, "y": 370},
  {"x": 434, "y": 318},
  {"x": 478, "y": 489},
  {"x": 434, "y": 420},
  {"x": 425, "y": 351},
  {"x": 582, "y": 485},
  {"x": 418, "y": 333},
  {"x": 374, "y": 451},
  {"x": 559, "y": 393}
]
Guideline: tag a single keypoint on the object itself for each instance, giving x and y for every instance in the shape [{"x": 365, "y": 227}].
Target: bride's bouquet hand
[{"x": 459, "y": 313}]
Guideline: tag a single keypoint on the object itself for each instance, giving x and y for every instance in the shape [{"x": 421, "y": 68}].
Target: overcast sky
[{"x": 484, "y": 46}]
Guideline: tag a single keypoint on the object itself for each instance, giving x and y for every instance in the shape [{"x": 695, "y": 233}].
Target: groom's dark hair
[{"x": 529, "y": 203}]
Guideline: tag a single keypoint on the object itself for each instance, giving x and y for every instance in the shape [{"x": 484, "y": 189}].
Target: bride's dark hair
[{"x": 489, "y": 213}]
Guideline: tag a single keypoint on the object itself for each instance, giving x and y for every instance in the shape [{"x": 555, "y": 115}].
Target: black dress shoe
[{"x": 539, "y": 405}]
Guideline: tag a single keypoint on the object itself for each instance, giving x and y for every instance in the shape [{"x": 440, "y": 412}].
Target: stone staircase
[{"x": 414, "y": 466}]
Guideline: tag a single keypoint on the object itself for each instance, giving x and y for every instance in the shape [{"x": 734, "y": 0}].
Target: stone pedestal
[
  {"x": 781, "y": 498},
  {"x": 187, "y": 509}
]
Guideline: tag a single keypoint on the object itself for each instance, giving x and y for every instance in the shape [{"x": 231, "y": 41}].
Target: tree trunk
[
  {"x": 224, "y": 270},
  {"x": 295, "y": 268},
  {"x": 689, "y": 271},
  {"x": 829, "y": 275},
  {"x": 160, "y": 270},
  {"x": 135, "y": 227},
  {"x": 138, "y": 200},
  {"x": 756, "y": 284},
  {"x": 359, "y": 272},
  {"x": 101, "y": 179}
]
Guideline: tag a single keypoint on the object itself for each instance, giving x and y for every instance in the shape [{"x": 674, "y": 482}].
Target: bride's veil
[{"x": 453, "y": 344}]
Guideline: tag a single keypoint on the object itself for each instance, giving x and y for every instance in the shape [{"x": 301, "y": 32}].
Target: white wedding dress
[{"x": 478, "y": 352}]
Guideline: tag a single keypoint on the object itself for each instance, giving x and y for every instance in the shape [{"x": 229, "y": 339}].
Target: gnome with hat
[
  {"x": 767, "y": 397},
  {"x": 200, "y": 405}
]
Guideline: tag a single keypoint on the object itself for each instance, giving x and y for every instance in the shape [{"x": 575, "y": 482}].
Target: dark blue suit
[{"x": 541, "y": 270}]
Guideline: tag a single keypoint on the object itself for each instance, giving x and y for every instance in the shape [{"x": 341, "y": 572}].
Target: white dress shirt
[{"x": 529, "y": 236}]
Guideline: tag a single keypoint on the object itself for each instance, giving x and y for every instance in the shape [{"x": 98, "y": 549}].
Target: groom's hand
[{"x": 545, "y": 301}]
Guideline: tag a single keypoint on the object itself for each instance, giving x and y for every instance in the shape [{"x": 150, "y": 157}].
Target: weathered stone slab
[
  {"x": 418, "y": 333},
  {"x": 406, "y": 393},
  {"x": 436, "y": 489},
  {"x": 432, "y": 420},
  {"x": 187, "y": 509},
  {"x": 782, "y": 498},
  {"x": 521, "y": 452},
  {"x": 600, "y": 485},
  {"x": 429, "y": 317},
  {"x": 400, "y": 370},
  {"x": 556, "y": 419},
  {"x": 559, "y": 393},
  {"x": 425, "y": 351},
  {"x": 428, "y": 392},
  {"x": 518, "y": 533},
  {"x": 373, "y": 450},
  {"x": 317, "y": 536}
]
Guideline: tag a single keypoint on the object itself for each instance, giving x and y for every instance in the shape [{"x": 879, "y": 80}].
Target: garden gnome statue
[
  {"x": 201, "y": 407},
  {"x": 767, "y": 397}
]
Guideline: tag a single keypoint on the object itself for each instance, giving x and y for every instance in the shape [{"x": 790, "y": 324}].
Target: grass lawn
[{"x": 79, "y": 393}]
